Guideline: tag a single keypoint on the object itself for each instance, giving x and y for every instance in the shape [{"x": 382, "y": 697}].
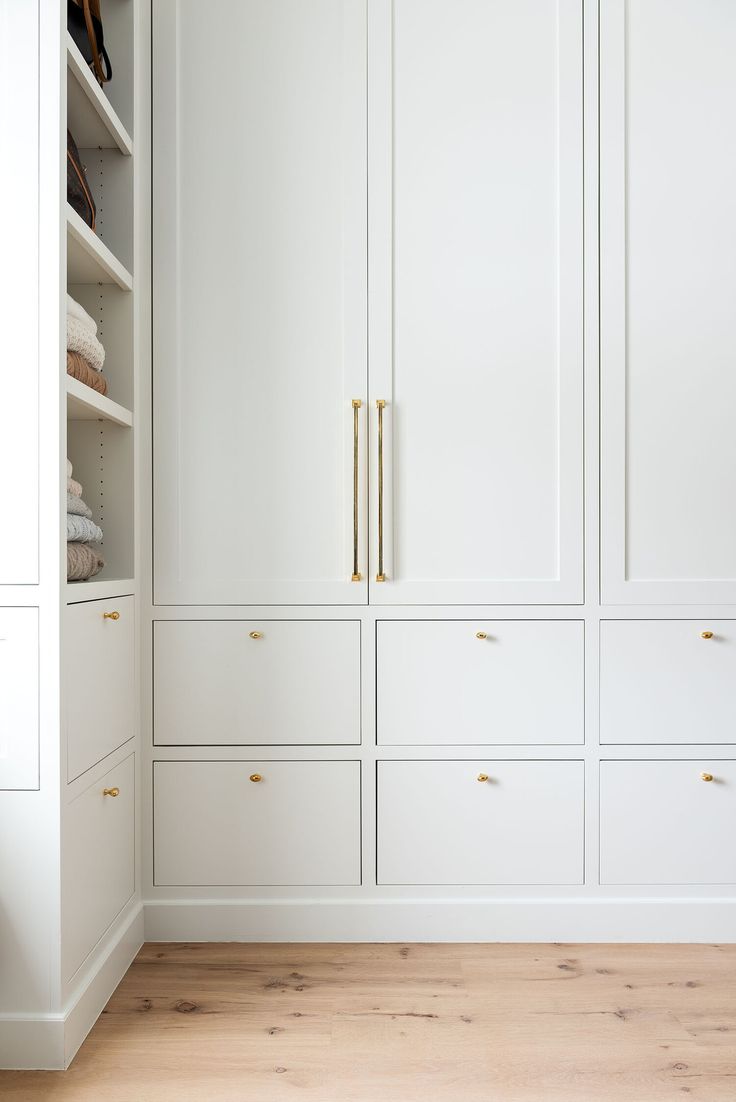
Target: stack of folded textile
[
  {"x": 84, "y": 353},
  {"x": 83, "y": 560}
]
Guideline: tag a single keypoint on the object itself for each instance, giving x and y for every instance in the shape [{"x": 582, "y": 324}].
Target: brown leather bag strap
[{"x": 92, "y": 7}]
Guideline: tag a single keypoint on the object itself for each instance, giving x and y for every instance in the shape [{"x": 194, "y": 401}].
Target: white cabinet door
[
  {"x": 661, "y": 823},
  {"x": 19, "y": 728},
  {"x": 221, "y": 823},
  {"x": 475, "y": 243},
  {"x": 272, "y": 682},
  {"x": 99, "y": 861},
  {"x": 469, "y": 682},
  {"x": 668, "y": 286},
  {"x": 440, "y": 823},
  {"x": 100, "y": 681},
  {"x": 668, "y": 681},
  {"x": 19, "y": 293},
  {"x": 259, "y": 222}
]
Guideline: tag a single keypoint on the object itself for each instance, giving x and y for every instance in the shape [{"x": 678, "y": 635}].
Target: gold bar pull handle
[
  {"x": 356, "y": 576},
  {"x": 380, "y": 406}
]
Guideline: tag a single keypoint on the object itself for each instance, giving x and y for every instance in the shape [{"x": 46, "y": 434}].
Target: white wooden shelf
[
  {"x": 98, "y": 589},
  {"x": 93, "y": 121},
  {"x": 88, "y": 260},
  {"x": 85, "y": 404}
]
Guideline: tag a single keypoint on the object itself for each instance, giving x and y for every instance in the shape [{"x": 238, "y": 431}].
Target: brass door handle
[
  {"x": 110, "y": 615},
  {"x": 356, "y": 575},
  {"x": 380, "y": 406},
  {"x": 256, "y": 634},
  {"x": 706, "y": 635},
  {"x": 706, "y": 776},
  {"x": 482, "y": 777},
  {"x": 255, "y": 777},
  {"x": 111, "y": 791},
  {"x": 481, "y": 635}
]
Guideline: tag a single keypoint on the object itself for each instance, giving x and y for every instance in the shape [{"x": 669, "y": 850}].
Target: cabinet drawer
[
  {"x": 18, "y": 698},
  {"x": 241, "y": 682},
  {"x": 100, "y": 680},
  {"x": 521, "y": 682},
  {"x": 99, "y": 861},
  {"x": 662, "y": 682},
  {"x": 661, "y": 823},
  {"x": 298, "y": 824},
  {"x": 438, "y": 824}
]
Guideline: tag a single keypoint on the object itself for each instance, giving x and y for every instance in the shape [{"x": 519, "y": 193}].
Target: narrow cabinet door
[
  {"x": 475, "y": 288},
  {"x": 668, "y": 286},
  {"x": 259, "y": 181}
]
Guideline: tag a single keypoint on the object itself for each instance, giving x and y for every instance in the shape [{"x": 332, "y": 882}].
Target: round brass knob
[
  {"x": 110, "y": 615},
  {"x": 483, "y": 777},
  {"x": 706, "y": 776},
  {"x": 256, "y": 634},
  {"x": 706, "y": 635},
  {"x": 111, "y": 791},
  {"x": 481, "y": 635},
  {"x": 256, "y": 777}
]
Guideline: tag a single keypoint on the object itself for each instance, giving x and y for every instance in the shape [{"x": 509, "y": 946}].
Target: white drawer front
[
  {"x": 99, "y": 661},
  {"x": 521, "y": 683},
  {"x": 300, "y": 824},
  {"x": 662, "y": 682},
  {"x": 438, "y": 824},
  {"x": 255, "y": 682},
  {"x": 99, "y": 862},
  {"x": 661, "y": 823},
  {"x": 18, "y": 698}
]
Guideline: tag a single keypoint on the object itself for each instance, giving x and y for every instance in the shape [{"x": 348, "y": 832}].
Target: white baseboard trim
[
  {"x": 49, "y": 1042},
  {"x": 499, "y": 920}
]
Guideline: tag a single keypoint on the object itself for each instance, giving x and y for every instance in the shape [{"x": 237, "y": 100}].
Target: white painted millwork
[
  {"x": 480, "y": 822},
  {"x": 101, "y": 685},
  {"x": 416, "y": 202},
  {"x": 466, "y": 682},
  {"x": 260, "y": 323},
  {"x": 19, "y": 275},
  {"x": 668, "y": 681},
  {"x": 257, "y": 822},
  {"x": 668, "y": 822},
  {"x": 476, "y": 300},
  {"x": 19, "y": 733},
  {"x": 99, "y": 861},
  {"x": 668, "y": 280},
  {"x": 241, "y": 682}
]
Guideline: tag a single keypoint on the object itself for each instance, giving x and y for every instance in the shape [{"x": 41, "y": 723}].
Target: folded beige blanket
[
  {"x": 78, "y": 368},
  {"x": 73, "y": 487},
  {"x": 82, "y": 562}
]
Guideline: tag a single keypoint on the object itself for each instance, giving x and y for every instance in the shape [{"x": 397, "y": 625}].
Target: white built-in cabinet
[
  {"x": 667, "y": 281},
  {"x": 321, "y": 304}
]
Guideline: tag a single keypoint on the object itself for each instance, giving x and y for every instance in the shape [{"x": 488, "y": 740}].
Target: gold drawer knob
[
  {"x": 481, "y": 635},
  {"x": 706, "y": 635},
  {"x": 256, "y": 634},
  {"x": 256, "y": 777},
  {"x": 482, "y": 777},
  {"x": 111, "y": 791},
  {"x": 110, "y": 615},
  {"x": 706, "y": 776}
]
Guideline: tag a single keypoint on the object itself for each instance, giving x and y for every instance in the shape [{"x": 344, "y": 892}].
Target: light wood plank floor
[{"x": 409, "y": 1023}]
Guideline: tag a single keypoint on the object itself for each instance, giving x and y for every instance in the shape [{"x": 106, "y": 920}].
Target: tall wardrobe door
[
  {"x": 668, "y": 286},
  {"x": 475, "y": 285},
  {"x": 259, "y": 216}
]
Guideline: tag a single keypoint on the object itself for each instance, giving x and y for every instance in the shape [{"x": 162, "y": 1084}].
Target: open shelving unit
[{"x": 99, "y": 274}]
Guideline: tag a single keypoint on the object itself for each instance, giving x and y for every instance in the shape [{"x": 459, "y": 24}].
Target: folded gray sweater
[
  {"x": 81, "y": 529},
  {"x": 75, "y": 505}
]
